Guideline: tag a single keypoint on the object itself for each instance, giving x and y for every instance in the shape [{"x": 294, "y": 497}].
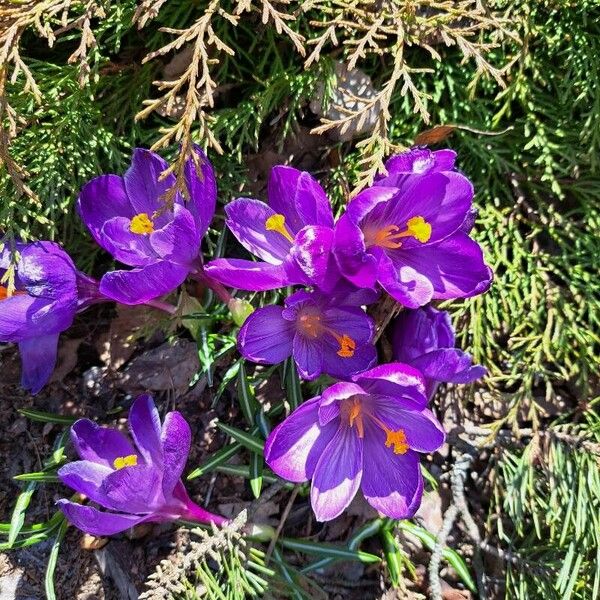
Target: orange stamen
[
  {"x": 355, "y": 417},
  {"x": 4, "y": 293},
  {"x": 387, "y": 237},
  {"x": 397, "y": 438},
  {"x": 311, "y": 325}
]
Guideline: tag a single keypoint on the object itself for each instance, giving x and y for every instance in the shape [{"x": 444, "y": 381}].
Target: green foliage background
[{"x": 538, "y": 190}]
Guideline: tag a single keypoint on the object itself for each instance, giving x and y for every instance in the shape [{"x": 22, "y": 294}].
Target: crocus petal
[
  {"x": 423, "y": 431},
  {"x": 46, "y": 270},
  {"x": 442, "y": 199},
  {"x": 329, "y": 407},
  {"x": 145, "y": 428},
  {"x": 455, "y": 267},
  {"x": 364, "y": 357},
  {"x": 404, "y": 283},
  {"x": 134, "y": 489},
  {"x": 449, "y": 365},
  {"x": 129, "y": 248},
  {"x": 354, "y": 262},
  {"x": 337, "y": 475},
  {"x": 144, "y": 187},
  {"x": 87, "y": 477},
  {"x": 266, "y": 337},
  {"x": 369, "y": 205},
  {"x": 137, "y": 286},
  {"x": 96, "y": 522},
  {"x": 392, "y": 483},
  {"x": 294, "y": 447},
  {"x": 395, "y": 380},
  {"x": 350, "y": 321},
  {"x": 192, "y": 511},
  {"x": 100, "y": 200},
  {"x": 417, "y": 332},
  {"x": 202, "y": 189},
  {"x": 38, "y": 359},
  {"x": 254, "y": 276},
  {"x": 101, "y": 445},
  {"x": 176, "y": 439},
  {"x": 15, "y": 316},
  {"x": 247, "y": 218},
  {"x": 312, "y": 252},
  {"x": 404, "y": 168},
  {"x": 299, "y": 197},
  {"x": 178, "y": 241},
  {"x": 308, "y": 355}
]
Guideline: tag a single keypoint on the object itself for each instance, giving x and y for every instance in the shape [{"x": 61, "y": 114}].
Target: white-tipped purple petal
[
  {"x": 337, "y": 475},
  {"x": 391, "y": 483}
]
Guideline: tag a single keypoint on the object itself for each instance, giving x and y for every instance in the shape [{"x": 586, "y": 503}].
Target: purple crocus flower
[
  {"x": 128, "y": 217},
  {"x": 322, "y": 333},
  {"x": 411, "y": 240},
  {"x": 48, "y": 292},
  {"x": 292, "y": 235},
  {"x": 138, "y": 483},
  {"x": 424, "y": 338},
  {"x": 364, "y": 434}
]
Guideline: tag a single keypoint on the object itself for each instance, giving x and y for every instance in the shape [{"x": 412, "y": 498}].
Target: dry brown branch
[
  {"x": 38, "y": 15},
  {"x": 370, "y": 27},
  {"x": 196, "y": 84}
]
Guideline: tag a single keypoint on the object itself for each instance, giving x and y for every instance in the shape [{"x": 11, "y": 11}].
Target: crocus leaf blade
[{"x": 249, "y": 440}]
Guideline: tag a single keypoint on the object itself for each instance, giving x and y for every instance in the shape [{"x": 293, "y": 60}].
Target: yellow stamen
[
  {"x": 387, "y": 237},
  {"x": 311, "y": 325},
  {"x": 125, "y": 461},
  {"x": 277, "y": 223},
  {"x": 141, "y": 224}
]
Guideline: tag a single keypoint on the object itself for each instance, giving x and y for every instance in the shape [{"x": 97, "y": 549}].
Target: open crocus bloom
[
  {"x": 135, "y": 483},
  {"x": 321, "y": 335},
  {"x": 43, "y": 304},
  {"x": 292, "y": 235},
  {"x": 364, "y": 434},
  {"x": 128, "y": 217},
  {"x": 424, "y": 338},
  {"x": 411, "y": 241}
]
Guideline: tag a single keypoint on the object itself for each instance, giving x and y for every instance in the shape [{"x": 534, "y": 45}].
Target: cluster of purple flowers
[{"x": 407, "y": 234}]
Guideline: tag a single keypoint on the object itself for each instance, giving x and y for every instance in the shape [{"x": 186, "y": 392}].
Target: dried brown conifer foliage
[{"x": 354, "y": 32}]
